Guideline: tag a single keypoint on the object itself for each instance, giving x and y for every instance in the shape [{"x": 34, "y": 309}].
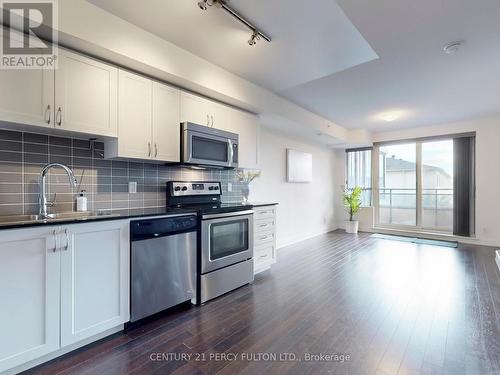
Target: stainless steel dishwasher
[{"x": 163, "y": 263}]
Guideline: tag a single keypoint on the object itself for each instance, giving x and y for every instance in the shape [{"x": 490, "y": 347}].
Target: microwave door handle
[{"x": 230, "y": 152}]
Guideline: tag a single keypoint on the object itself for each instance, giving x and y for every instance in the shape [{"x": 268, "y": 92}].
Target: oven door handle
[{"x": 229, "y": 214}]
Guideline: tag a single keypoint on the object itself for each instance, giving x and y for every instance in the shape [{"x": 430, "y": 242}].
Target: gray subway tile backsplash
[{"x": 23, "y": 155}]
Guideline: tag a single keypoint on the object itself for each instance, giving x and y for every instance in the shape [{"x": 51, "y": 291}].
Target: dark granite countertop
[
  {"x": 262, "y": 204},
  {"x": 256, "y": 204},
  {"x": 101, "y": 216}
]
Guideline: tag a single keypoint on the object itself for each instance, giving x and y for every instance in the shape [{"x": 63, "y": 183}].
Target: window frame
[{"x": 419, "y": 182}]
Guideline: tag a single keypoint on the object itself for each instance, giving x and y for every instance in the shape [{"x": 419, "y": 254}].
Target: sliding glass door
[
  {"x": 397, "y": 184},
  {"x": 437, "y": 185},
  {"x": 414, "y": 183}
]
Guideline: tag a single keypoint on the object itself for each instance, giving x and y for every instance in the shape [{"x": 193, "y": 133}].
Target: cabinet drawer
[
  {"x": 261, "y": 238},
  {"x": 264, "y": 212},
  {"x": 265, "y": 225},
  {"x": 264, "y": 253}
]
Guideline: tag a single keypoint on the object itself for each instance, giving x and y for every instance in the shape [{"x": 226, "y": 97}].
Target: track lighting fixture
[
  {"x": 254, "y": 38},
  {"x": 203, "y": 4},
  {"x": 223, "y": 4}
]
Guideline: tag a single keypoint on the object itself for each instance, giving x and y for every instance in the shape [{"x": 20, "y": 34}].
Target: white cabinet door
[
  {"x": 86, "y": 95},
  {"x": 94, "y": 279},
  {"x": 29, "y": 295},
  {"x": 247, "y": 127},
  {"x": 27, "y": 97},
  {"x": 134, "y": 116},
  {"x": 166, "y": 123},
  {"x": 195, "y": 109},
  {"x": 220, "y": 117}
]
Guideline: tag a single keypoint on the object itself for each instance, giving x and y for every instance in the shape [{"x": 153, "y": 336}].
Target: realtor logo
[{"x": 27, "y": 27}]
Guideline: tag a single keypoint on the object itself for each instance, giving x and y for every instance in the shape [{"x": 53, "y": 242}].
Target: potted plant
[
  {"x": 245, "y": 177},
  {"x": 352, "y": 204}
]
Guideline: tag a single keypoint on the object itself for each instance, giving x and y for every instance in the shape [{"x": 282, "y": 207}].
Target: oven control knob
[
  {"x": 177, "y": 188},
  {"x": 210, "y": 188},
  {"x": 216, "y": 188},
  {"x": 184, "y": 188}
]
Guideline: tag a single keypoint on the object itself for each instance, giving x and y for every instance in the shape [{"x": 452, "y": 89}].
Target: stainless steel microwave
[{"x": 202, "y": 145}]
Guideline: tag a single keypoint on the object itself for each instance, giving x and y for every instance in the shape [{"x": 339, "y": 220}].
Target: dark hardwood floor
[{"x": 392, "y": 307}]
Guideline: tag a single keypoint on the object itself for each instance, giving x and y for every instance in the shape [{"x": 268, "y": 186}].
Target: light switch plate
[{"x": 132, "y": 187}]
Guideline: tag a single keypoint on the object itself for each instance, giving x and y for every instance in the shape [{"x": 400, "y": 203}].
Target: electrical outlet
[
  {"x": 229, "y": 186},
  {"x": 132, "y": 187}
]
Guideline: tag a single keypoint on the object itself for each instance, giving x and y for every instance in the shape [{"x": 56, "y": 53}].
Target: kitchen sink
[{"x": 63, "y": 216}]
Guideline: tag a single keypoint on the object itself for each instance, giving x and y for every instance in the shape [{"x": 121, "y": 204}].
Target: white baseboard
[{"x": 284, "y": 243}]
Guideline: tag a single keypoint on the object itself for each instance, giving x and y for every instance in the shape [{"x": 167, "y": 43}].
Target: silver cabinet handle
[
  {"x": 149, "y": 149},
  {"x": 262, "y": 225},
  {"x": 208, "y": 120},
  {"x": 67, "y": 240},
  {"x": 47, "y": 114},
  {"x": 59, "y": 116},
  {"x": 54, "y": 233},
  {"x": 156, "y": 150},
  {"x": 212, "y": 117},
  {"x": 263, "y": 256}
]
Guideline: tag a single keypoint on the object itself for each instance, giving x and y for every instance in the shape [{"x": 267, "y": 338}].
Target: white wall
[
  {"x": 305, "y": 209},
  {"x": 487, "y": 170}
]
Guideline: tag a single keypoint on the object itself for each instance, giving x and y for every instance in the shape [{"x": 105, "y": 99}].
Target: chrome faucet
[{"x": 42, "y": 200}]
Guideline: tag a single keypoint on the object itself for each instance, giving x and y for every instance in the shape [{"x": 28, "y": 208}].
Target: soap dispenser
[{"x": 81, "y": 202}]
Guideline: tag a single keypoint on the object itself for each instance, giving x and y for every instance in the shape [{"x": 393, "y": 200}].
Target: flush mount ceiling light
[
  {"x": 223, "y": 4},
  {"x": 453, "y": 47},
  {"x": 390, "y": 116}
]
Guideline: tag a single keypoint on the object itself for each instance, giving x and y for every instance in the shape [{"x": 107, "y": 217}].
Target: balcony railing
[{"x": 398, "y": 206}]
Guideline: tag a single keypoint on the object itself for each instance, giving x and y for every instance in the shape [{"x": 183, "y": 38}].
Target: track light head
[
  {"x": 254, "y": 38},
  {"x": 203, "y": 4}
]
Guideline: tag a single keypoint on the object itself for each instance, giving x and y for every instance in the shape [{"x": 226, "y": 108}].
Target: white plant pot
[{"x": 352, "y": 226}]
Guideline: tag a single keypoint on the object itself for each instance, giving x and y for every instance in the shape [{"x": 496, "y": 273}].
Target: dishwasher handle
[{"x": 154, "y": 228}]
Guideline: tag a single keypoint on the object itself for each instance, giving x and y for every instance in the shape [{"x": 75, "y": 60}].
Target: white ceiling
[
  {"x": 319, "y": 59},
  {"x": 301, "y": 50},
  {"x": 413, "y": 75}
]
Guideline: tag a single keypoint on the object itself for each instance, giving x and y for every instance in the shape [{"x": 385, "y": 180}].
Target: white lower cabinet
[
  {"x": 94, "y": 279},
  {"x": 61, "y": 285},
  {"x": 29, "y": 295},
  {"x": 264, "y": 237}
]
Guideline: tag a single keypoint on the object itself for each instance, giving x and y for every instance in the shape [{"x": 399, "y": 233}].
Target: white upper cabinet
[
  {"x": 29, "y": 291},
  {"x": 85, "y": 95},
  {"x": 212, "y": 114},
  {"x": 221, "y": 117},
  {"x": 148, "y": 120},
  {"x": 134, "y": 116},
  {"x": 94, "y": 279},
  {"x": 27, "y": 97},
  {"x": 248, "y": 128},
  {"x": 166, "y": 123},
  {"x": 202, "y": 111},
  {"x": 195, "y": 109}
]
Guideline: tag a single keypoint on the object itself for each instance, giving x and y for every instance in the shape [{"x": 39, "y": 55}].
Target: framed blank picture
[{"x": 298, "y": 166}]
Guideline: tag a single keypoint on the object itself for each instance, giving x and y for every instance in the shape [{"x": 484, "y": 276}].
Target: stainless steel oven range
[{"x": 225, "y": 244}]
